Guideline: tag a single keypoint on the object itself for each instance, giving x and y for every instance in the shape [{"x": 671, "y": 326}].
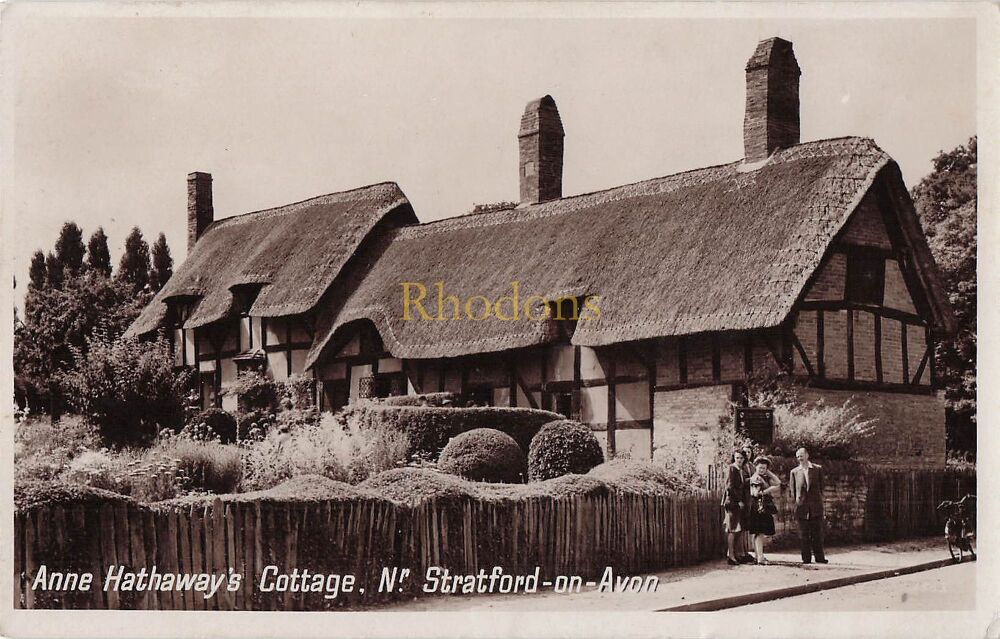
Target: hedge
[
  {"x": 442, "y": 400},
  {"x": 562, "y": 447},
  {"x": 429, "y": 428},
  {"x": 484, "y": 454}
]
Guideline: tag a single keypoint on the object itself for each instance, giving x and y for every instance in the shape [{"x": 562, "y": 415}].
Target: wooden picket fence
[
  {"x": 579, "y": 535},
  {"x": 903, "y": 503}
]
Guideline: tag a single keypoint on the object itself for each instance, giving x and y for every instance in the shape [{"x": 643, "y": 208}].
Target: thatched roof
[
  {"x": 294, "y": 251},
  {"x": 722, "y": 248}
]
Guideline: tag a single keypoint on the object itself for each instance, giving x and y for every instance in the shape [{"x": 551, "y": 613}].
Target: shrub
[
  {"x": 827, "y": 432},
  {"x": 682, "y": 460},
  {"x": 208, "y": 467},
  {"x": 429, "y": 428},
  {"x": 42, "y": 450},
  {"x": 562, "y": 447},
  {"x": 329, "y": 448},
  {"x": 644, "y": 478},
  {"x": 484, "y": 454},
  {"x": 441, "y": 400},
  {"x": 99, "y": 469},
  {"x": 30, "y": 495},
  {"x": 252, "y": 426},
  {"x": 296, "y": 392},
  {"x": 214, "y": 423},
  {"x": 254, "y": 392},
  {"x": 128, "y": 388}
]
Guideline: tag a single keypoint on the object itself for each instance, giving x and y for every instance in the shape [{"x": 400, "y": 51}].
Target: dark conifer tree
[
  {"x": 69, "y": 248},
  {"x": 36, "y": 273},
  {"x": 98, "y": 255},
  {"x": 134, "y": 265},
  {"x": 163, "y": 265},
  {"x": 53, "y": 271}
]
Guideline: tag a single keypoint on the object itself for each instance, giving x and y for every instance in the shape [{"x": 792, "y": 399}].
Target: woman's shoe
[
  {"x": 732, "y": 562},
  {"x": 763, "y": 562}
]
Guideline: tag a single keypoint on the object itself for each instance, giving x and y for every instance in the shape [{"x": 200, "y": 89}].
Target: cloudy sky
[{"x": 110, "y": 114}]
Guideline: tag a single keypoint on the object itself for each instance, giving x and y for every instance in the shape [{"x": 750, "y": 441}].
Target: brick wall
[
  {"x": 868, "y": 503},
  {"x": 910, "y": 430},
  {"x": 897, "y": 295},
  {"x": 866, "y": 227},
  {"x": 845, "y": 498},
  {"x": 830, "y": 279},
  {"x": 689, "y": 412}
]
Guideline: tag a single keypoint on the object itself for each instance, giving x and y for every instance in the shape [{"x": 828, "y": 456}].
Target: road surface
[{"x": 949, "y": 588}]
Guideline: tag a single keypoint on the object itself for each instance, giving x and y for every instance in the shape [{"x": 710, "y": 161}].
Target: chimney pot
[
  {"x": 200, "y": 211},
  {"x": 540, "y": 143},
  {"x": 772, "y": 108}
]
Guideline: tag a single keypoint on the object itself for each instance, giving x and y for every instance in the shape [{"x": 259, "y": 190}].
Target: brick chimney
[
  {"x": 540, "y": 142},
  {"x": 772, "y": 115},
  {"x": 200, "y": 211}
]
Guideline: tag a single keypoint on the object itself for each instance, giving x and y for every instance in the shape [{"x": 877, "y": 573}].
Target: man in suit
[{"x": 806, "y": 484}]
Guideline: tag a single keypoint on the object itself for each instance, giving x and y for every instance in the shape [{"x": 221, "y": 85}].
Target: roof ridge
[
  {"x": 336, "y": 196},
  {"x": 534, "y": 210}
]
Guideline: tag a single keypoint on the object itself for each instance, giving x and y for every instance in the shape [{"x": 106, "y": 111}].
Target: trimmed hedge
[
  {"x": 562, "y": 447},
  {"x": 484, "y": 454},
  {"x": 442, "y": 400},
  {"x": 429, "y": 428},
  {"x": 37, "y": 493}
]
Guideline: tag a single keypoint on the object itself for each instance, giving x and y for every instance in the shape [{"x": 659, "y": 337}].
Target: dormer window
[
  {"x": 180, "y": 309},
  {"x": 244, "y": 295},
  {"x": 865, "y": 278}
]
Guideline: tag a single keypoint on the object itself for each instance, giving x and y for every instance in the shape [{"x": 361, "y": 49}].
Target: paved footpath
[
  {"x": 949, "y": 588},
  {"x": 706, "y": 582}
]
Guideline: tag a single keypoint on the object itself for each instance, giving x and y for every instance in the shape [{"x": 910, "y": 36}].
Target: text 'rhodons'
[{"x": 508, "y": 307}]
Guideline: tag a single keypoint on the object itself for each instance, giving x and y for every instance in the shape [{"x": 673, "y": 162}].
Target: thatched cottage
[{"x": 640, "y": 309}]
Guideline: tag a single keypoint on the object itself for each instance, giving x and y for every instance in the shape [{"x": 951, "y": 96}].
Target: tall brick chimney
[
  {"x": 772, "y": 115},
  {"x": 540, "y": 142},
  {"x": 200, "y": 211}
]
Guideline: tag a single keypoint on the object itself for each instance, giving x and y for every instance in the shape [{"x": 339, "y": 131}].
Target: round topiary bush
[
  {"x": 484, "y": 454},
  {"x": 562, "y": 447}
]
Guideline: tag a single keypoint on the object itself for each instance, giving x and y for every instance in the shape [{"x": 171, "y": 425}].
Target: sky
[{"x": 111, "y": 114}]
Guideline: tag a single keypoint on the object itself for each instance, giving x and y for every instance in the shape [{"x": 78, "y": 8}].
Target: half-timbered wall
[
  {"x": 879, "y": 344},
  {"x": 212, "y": 349}
]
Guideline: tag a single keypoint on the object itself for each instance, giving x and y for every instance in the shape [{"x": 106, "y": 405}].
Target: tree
[
  {"x": 58, "y": 320},
  {"x": 37, "y": 271},
  {"x": 127, "y": 388},
  {"x": 163, "y": 264},
  {"x": 53, "y": 271},
  {"x": 946, "y": 203},
  {"x": 69, "y": 248},
  {"x": 98, "y": 255},
  {"x": 134, "y": 265}
]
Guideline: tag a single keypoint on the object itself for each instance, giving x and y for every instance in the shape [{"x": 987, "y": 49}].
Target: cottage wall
[{"x": 910, "y": 429}]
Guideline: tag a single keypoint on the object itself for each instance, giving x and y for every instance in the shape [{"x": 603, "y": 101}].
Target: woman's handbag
[{"x": 766, "y": 505}]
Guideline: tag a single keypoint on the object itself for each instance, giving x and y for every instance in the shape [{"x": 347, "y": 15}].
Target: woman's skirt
[
  {"x": 732, "y": 521},
  {"x": 760, "y": 523}
]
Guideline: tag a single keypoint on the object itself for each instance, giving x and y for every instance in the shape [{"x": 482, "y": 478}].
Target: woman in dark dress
[
  {"x": 764, "y": 485},
  {"x": 734, "y": 503}
]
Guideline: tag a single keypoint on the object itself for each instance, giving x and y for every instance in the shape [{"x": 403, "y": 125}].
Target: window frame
[{"x": 864, "y": 278}]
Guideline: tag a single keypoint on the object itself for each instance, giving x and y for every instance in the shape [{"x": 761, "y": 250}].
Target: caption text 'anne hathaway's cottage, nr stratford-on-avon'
[{"x": 802, "y": 256}]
